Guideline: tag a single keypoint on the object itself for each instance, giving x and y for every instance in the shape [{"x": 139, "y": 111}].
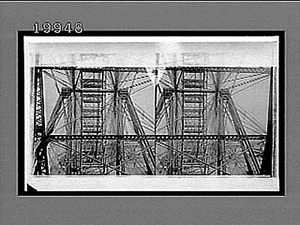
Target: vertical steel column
[
  {"x": 182, "y": 122},
  {"x": 74, "y": 111},
  {"x": 41, "y": 158},
  {"x": 97, "y": 77},
  {"x": 204, "y": 117},
  {"x": 117, "y": 110},
  {"x": 173, "y": 111},
  {"x": 115, "y": 79},
  {"x": 103, "y": 110},
  {"x": 220, "y": 120},
  {"x": 69, "y": 132},
  {"x": 266, "y": 166},
  {"x": 81, "y": 122},
  {"x": 200, "y": 113},
  {"x": 176, "y": 127},
  {"x": 157, "y": 56}
]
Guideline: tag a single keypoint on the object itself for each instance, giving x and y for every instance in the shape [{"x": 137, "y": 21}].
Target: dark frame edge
[
  {"x": 20, "y": 107},
  {"x": 281, "y": 107}
]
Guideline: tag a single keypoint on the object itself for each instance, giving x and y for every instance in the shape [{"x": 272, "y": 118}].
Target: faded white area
[
  {"x": 88, "y": 39},
  {"x": 154, "y": 183},
  {"x": 154, "y": 51}
]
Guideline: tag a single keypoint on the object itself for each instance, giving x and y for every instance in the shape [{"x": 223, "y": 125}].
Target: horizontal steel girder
[
  {"x": 96, "y": 69},
  {"x": 157, "y": 137},
  {"x": 144, "y": 70},
  {"x": 222, "y": 69}
]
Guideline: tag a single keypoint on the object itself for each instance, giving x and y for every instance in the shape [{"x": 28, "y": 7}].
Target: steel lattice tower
[{"x": 104, "y": 131}]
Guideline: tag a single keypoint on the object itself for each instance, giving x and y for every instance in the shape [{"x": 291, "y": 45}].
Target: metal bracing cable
[
  {"x": 164, "y": 76},
  {"x": 136, "y": 91},
  {"x": 243, "y": 111},
  {"x": 166, "y": 106},
  {"x": 246, "y": 124},
  {"x": 131, "y": 158},
  {"x": 56, "y": 85},
  {"x": 61, "y": 81},
  {"x": 125, "y": 77},
  {"x": 251, "y": 118},
  {"x": 110, "y": 118},
  {"x": 211, "y": 118},
  {"x": 211, "y": 75},
  {"x": 172, "y": 75},
  {"x": 232, "y": 86},
  {"x": 140, "y": 83},
  {"x": 86, "y": 155},
  {"x": 165, "y": 82},
  {"x": 192, "y": 157},
  {"x": 246, "y": 77},
  {"x": 252, "y": 127},
  {"x": 132, "y": 83},
  {"x": 162, "y": 104},
  {"x": 239, "y": 166},
  {"x": 144, "y": 114},
  {"x": 257, "y": 81},
  {"x": 124, "y": 110},
  {"x": 139, "y": 130},
  {"x": 168, "y": 124},
  {"x": 133, "y": 79},
  {"x": 250, "y": 81},
  {"x": 223, "y": 82},
  {"x": 146, "y": 126},
  {"x": 78, "y": 76},
  {"x": 64, "y": 113},
  {"x": 65, "y": 74},
  {"x": 236, "y": 155},
  {"x": 174, "y": 158},
  {"x": 53, "y": 122},
  {"x": 241, "y": 131}
]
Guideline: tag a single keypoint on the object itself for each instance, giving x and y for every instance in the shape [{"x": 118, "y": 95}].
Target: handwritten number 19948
[{"x": 58, "y": 27}]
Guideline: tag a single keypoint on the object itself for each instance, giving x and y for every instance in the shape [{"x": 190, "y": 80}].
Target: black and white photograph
[
  {"x": 152, "y": 112},
  {"x": 149, "y": 112}
]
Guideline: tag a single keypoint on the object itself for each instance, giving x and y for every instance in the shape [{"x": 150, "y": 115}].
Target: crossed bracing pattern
[{"x": 150, "y": 121}]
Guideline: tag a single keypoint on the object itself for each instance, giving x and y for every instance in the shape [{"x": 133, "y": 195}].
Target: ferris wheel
[{"x": 159, "y": 121}]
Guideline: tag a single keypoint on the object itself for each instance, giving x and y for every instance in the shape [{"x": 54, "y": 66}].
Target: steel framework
[{"x": 189, "y": 125}]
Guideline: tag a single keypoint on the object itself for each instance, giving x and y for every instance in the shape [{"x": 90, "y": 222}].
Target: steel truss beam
[
  {"x": 222, "y": 69},
  {"x": 40, "y": 145},
  {"x": 157, "y": 137},
  {"x": 96, "y": 69},
  {"x": 183, "y": 69}
]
